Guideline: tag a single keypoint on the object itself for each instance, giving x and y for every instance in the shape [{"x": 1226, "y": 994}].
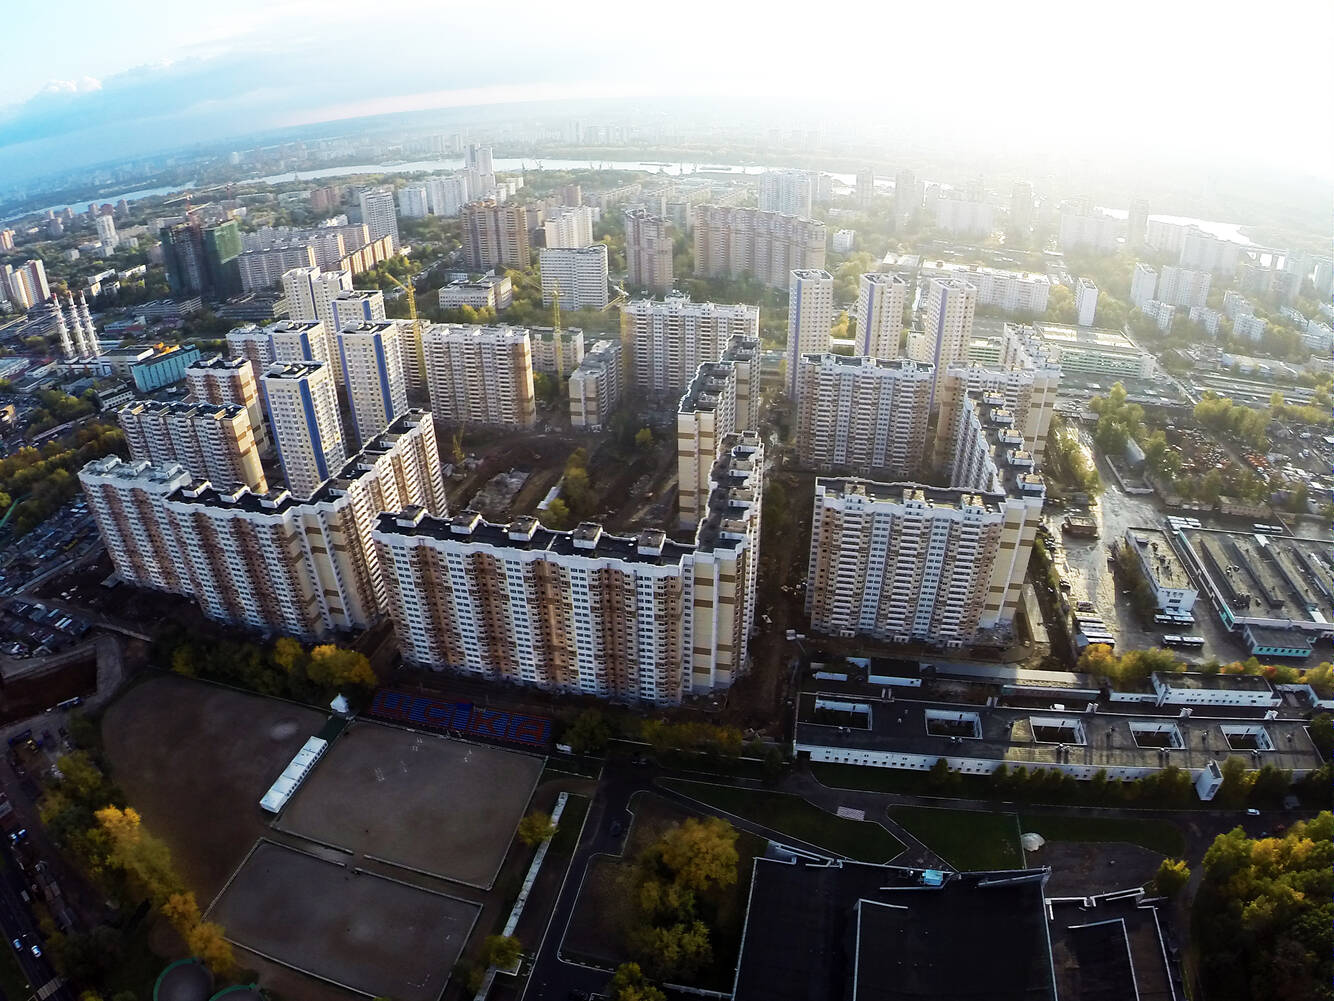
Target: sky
[{"x": 1245, "y": 82}]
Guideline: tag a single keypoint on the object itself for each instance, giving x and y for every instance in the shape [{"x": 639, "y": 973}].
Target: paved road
[{"x": 17, "y": 923}]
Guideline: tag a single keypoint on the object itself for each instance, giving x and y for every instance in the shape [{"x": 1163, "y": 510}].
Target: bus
[{"x": 1187, "y": 642}]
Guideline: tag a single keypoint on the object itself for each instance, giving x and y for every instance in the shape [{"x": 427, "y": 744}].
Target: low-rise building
[
  {"x": 1162, "y": 569},
  {"x": 482, "y": 293}
]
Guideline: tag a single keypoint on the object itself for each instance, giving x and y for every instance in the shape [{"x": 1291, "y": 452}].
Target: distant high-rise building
[
  {"x": 1086, "y": 301},
  {"x": 1143, "y": 284},
  {"x": 480, "y": 375},
  {"x": 229, "y": 380},
  {"x": 810, "y": 318},
  {"x": 946, "y": 328},
  {"x": 310, "y": 293},
  {"x": 447, "y": 195},
  {"x": 1183, "y": 287},
  {"x": 377, "y": 212},
  {"x": 412, "y": 202},
  {"x": 1086, "y": 230},
  {"x": 302, "y": 404},
  {"x": 733, "y": 241},
  {"x": 284, "y": 341},
  {"x": 580, "y": 274},
  {"x": 183, "y": 257},
  {"x": 26, "y": 285},
  {"x": 495, "y": 235},
  {"x": 263, "y": 269},
  {"x": 648, "y": 251},
  {"x": 569, "y": 227},
  {"x": 881, "y": 300},
  {"x": 6, "y": 239},
  {"x": 907, "y": 199},
  {"x": 372, "y": 363},
  {"x": 788, "y": 191},
  {"x": 1021, "y": 207},
  {"x": 106, "y": 234},
  {"x": 478, "y": 158},
  {"x": 222, "y": 247},
  {"x": 865, "y": 187},
  {"x": 666, "y": 342},
  {"x": 1207, "y": 252},
  {"x": 213, "y": 441},
  {"x": 1137, "y": 223},
  {"x": 862, "y": 415},
  {"x": 963, "y": 215}
]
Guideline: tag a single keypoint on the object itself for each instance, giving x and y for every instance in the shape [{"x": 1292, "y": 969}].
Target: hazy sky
[{"x": 1241, "y": 82}]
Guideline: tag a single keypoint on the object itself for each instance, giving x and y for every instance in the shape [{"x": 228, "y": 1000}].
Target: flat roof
[
  {"x": 1099, "y": 338},
  {"x": 1006, "y": 733},
  {"x": 876, "y": 933},
  {"x": 1156, "y": 552},
  {"x": 1216, "y": 682},
  {"x": 1108, "y": 948}
]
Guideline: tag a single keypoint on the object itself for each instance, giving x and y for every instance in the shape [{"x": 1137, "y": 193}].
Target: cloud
[{"x": 82, "y": 85}]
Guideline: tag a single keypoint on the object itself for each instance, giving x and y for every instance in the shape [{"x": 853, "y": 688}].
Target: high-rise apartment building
[
  {"x": 26, "y": 285},
  {"x": 733, "y": 241},
  {"x": 1137, "y": 223},
  {"x": 447, "y": 195},
  {"x": 810, "y": 318},
  {"x": 907, "y": 197},
  {"x": 284, "y": 342},
  {"x": 310, "y": 294},
  {"x": 305, "y": 568},
  {"x": 1183, "y": 287},
  {"x": 946, "y": 328},
  {"x": 480, "y": 375},
  {"x": 881, "y": 300},
  {"x": 350, "y": 308},
  {"x": 787, "y": 191},
  {"x": 413, "y": 202},
  {"x": 495, "y": 235},
  {"x": 372, "y": 363},
  {"x": 1087, "y": 230},
  {"x": 183, "y": 258},
  {"x": 106, "y": 234},
  {"x": 229, "y": 380},
  {"x": 596, "y": 385},
  {"x": 865, "y": 190},
  {"x": 1209, "y": 253},
  {"x": 377, "y": 212},
  {"x": 263, "y": 269},
  {"x": 1021, "y": 207},
  {"x": 862, "y": 415},
  {"x": 1143, "y": 284},
  {"x": 579, "y": 272},
  {"x": 648, "y": 251},
  {"x": 637, "y": 619},
  {"x": 213, "y": 441},
  {"x": 569, "y": 227},
  {"x": 301, "y": 400},
  {"x": 665, "y": 342},
  {"x": 1086, "y": 301},
  {"x": 6, "y": 240},
  {"x": 905, "y": 562},
  {"x": 477, "y": 158},
  {"x": 723, "y": 398},
  {"x": 222, "y": 249},
  {"x": 963, "y": 215}
]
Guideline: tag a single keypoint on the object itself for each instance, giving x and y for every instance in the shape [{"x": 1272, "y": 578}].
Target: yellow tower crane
[
  {"x": 417, "y": 352},
  {"x": 556, "y": 334}
]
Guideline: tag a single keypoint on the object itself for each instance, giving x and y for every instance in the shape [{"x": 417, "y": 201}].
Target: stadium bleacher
[{"x": 461, "y": 717}]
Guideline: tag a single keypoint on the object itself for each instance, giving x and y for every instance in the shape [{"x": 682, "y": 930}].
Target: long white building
[
  {"x": 304, "y": 568},
  {"x": 480, "y": 375},
  {"x": 881, "y": 301},
  {"x": 635, "y": 619},
  {"x": 579, "y": 272},
  {"x": 372, "y": 362},
  {"x": 301, "y": 400},
  {"x": 666, "y": 341}
]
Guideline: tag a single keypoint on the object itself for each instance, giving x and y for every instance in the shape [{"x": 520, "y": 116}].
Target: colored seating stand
[{"x": 462, "y": 717}]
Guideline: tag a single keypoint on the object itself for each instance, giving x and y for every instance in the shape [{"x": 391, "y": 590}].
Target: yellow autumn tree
[{"x": 334, "y": 667}]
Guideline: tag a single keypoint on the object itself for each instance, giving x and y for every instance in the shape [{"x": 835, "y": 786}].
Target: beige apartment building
[
  {"x": 480, "y": 375},
  {"x": 212, "y": 441},
  {"x": 947, "y": 327},
  {"x": 666, "y": 341},
  {"x": 229, "y": 380},
  {"x": 596, "y": 386},
  {"x": 495, "y": 235},
  {"x": 648, "y": 251},
  {"x": 733, "y": 241}
]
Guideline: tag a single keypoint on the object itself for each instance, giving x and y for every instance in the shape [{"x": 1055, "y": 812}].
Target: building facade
[
  {"x": 881, "y": 300},
  {"x": 580, "y": 273},
  {"x": 666, "y": 341},
  {"x": 947, "y": 326},
  {"x": 648, "y": 251},
  {"x": 596, "y": 386},
  {"x": 1086, "y": 301},
  {"x": 301, "y": 400},
  {"x": 495, "y": 235},
  {"x": 212, "y": 441},
  {"x": 480, "y": 375},
  {"x": 378, "y": 215},
  {"x": 734, "y": 241},
  {"x": 787, "y": 191},
  {"x": 228, "y": 380},
  {"x": 810, "y": 318},
  {"x": 372, "y": 362}
]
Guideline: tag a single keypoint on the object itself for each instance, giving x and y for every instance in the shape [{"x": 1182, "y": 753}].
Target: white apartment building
[
  {"x": 1019, "y": 292},
  {"x": 413, "y": 202},
  {"x": 596, "y": 386},
  {"x": 861, "y": 414},
  {"x": 485, "y": 292},
  {"x": 480, "y": 375},
  {"x": 213, "y": 441},
  {"x": 844, "y": 240},
  {"x": 377, "y": 212},
  {"x": 267, "y": 560},
  {"x": 310, "y": 294},
  {"x": 1249, "y": 326},
  {"x": 372, "y": 362},
  {"x": 787, "y": 191},
  {"x": 477, "y": 158},
  {"x": 636, "y": 619},
  {"x": 965, "y": 216},
  {"x": 1164, "y": 236},
  {"x": 881, "y": 301},
  {"x": 947, "y": 327},
  {"x": 1207, "y": 252},
  {"x": 1161, "y": 313},
  {"x": 732, "y": 241},
  {"x": 579, "y": 272},
  {"x": 1235, "y": 304},
  {"x": 648, "y": 251},
  {"x": 905, "y": 562},
  {"x": 301, "y": 400},
  {"x": 1089, "y": 231},
  {"x": 229, "y": 380},
  {"x": 106, "y": 234},
  {"x": 263, "y": 269},
  {"x": 1183, "y": 287},
  {"x": 723, "y": 398},
  {"x": 1143, "y": 285},
  {"x": 1206, "y": 318},
  {"x": 569, "y": 227},
  {"x": 665, "y": 342},
  {"x": 1086, "y": 302},
  {"x": 287, "y": 341},
  {"x": 348, "y": 309},
  {"x": 447, "y": 195},
  {"x": 810, "y": 318}
]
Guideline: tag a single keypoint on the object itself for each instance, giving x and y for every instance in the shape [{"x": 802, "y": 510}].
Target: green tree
[
  {"x": 557, "y": 514},
  {"x": 501, "y": 951},
  {"x": 701, "y": 854},
  {"x": 335, "y": 667},
  {"x": 536, "y": 828},
  {"x": 589, "y": 733},
  {"x": 629, "y": 984},
  {"x": 1171, "y": 878},
  {"x": 644, "y": 440}
]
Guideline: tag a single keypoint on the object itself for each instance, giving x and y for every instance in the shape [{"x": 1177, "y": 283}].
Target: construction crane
[
  {"x": 417, "y": 353},
  {"x": 555, "y": 333},
  {"x": 621, "y": 296}
]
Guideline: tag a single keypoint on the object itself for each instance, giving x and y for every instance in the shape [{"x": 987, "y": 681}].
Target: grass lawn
[
  {"x": 792, "y": 815},
  {"x": 1160, "y": 836},
  {"x": 966, "y": 839}
]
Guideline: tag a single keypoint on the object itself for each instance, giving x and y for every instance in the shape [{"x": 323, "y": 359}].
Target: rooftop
[
  {"x": 1107, "y": 949},
  {"x": 1098, "y": 338},
  {"x": 1157, "y": 555}
]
